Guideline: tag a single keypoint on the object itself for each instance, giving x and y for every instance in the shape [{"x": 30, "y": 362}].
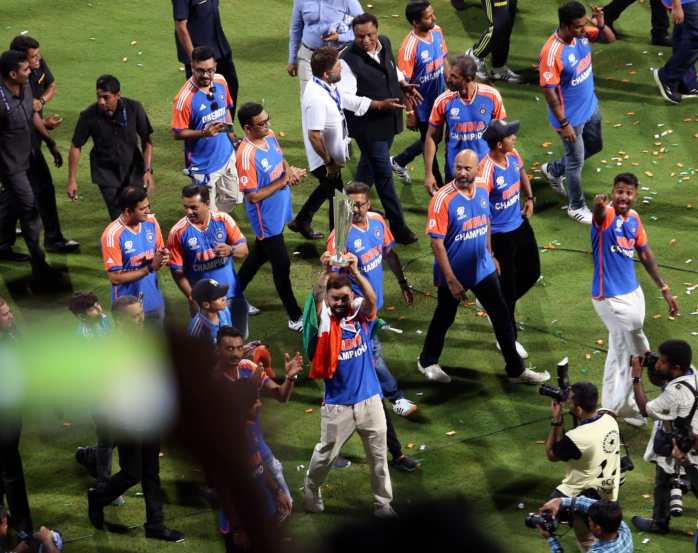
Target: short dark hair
[
  {"x": 10, "y": 61},
  {"x": 357, "y": 187},
  {"x": 586, "y": 396},
  {"x": 677, "y": 353},
  {"x": 571, "y": 11},
  {"x": 202, "y": 53},
  {"x": 364, "y": 18},
  {"x": 414, "y": 10},
  {"x": 607, "y": 514},
  {"x": 337, "y": 280},
  {"x": 22, "y": 43},
  {"x": 249, "y": 111},
  {"x": 626, "y": 178},
  {"x": 131, "y": 196},
  {"x": 322, "y": 60},
  {"x": 191, "y": 190},
  {"x": 108, "y": 83},
  {"x": 81, "y": 302},
  {"x": 121, "y": 303},
  {"x": 465, "y": 65},
  {"x": 228, "y": 332}
]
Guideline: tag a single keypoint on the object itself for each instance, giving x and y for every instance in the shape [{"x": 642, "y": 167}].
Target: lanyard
[
  {"x": 4, "y": 99},
  {"x": 337, "y": 100}
]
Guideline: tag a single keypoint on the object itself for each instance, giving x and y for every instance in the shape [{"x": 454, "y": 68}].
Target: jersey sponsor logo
[
  {"x": 209, "y": 265},
  {"x": 128, "y": 245},
  {"x": 425, "y": 55},
  {"x": 432, "y": 223},
  {"x": 471, "y": 234},
  {"x": 214, "y": 115},
  {"x": 583, "y": 77},
  {"x": 244, "y": 179},
  {"x": 202, "y": 107},
  {"x": 513, "y": 200},
  {"x": 371, "y": 256},
  {"x": 572, "y": 59},
  {"x": 460, "y": 212},
  {"x": 219, "y": 235},
  {"x": 193, "y": 243},
  {"x": 352, "y": 347},
  {"x": 149, "y": 237},
  {"x": 265, "y": 164},
  {"x": 501, "y": 183},
  {"x": 357, "y": 245},
  {"x": 453, "y": 112},
  {"x": 547, "y": 75},
  {"x": 583, "y": 64},
  {"x": 483, "y": 203},
  {"x": 619, "y": 225}
]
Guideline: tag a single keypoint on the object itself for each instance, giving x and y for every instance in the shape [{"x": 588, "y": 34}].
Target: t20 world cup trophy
[{"x": 343, "y": 207}]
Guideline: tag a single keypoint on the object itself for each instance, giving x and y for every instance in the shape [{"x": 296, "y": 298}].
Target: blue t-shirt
[
  {"x": 201, "y": 327},
  {"x": 259, "y": 167},
  {"x": 368, "y": 244},
  {"x": 194, "y": 109},
  {"x": 503, "y": 186},
  {"x": 462, "y": 223},
  {"x": 192, "y": 249},
  {"x": 126, "y": 250},
  {"x": 355, "y": 379}
]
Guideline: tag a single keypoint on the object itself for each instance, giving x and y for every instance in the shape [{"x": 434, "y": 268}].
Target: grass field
[{"x": 494, "y": 458}]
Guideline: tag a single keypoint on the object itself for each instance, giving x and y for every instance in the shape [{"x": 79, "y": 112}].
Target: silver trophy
[{"x": 343, "y": 207}]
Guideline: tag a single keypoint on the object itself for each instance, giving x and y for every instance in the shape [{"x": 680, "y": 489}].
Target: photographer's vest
[
  {"x": 599, "y": 466},
  {"x": 377, "y": 81}
]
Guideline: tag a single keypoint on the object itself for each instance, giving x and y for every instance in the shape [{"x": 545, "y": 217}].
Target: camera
[
  {"x": 626, "y": 465},
  {"x": 543, "y": 520},
  {"x": 561, "y": 393},
  {"x": 650, "y": 360},
  {"x": 679, "y": 486}
]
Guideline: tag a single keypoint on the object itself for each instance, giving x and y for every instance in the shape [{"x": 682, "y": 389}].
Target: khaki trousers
[
  {"x": 223, "y": 186},
  {"x": 337, "y": 424}
]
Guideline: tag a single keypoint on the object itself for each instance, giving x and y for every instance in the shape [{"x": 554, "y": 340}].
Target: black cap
[
  {"x": 209, "y": 290},
  {"x": 497, "y": 129}
]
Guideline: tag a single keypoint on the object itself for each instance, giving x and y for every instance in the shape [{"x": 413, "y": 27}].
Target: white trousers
[
  {"x": 223, "y": 186},
  {"x": 623, "y": 316},
  {"x": 337, "y": 424}
]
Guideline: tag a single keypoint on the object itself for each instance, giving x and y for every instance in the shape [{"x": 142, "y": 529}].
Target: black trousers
[
  {"x": 394, "y": 445},
  {"x": 225, "y": 67},
  {"x": 489, "y": 293},
  {"x": 323, "y": 191},
  {"x": 17, "y": 200},
  {"x": 12, "y": 484},
  {"x": 100, "y": 456},
  {"x": 519, "y": 262},
  {"x": 139, "y": 462},
  {"x": 495, "y": 39},
  {"x": 662, "y": 492},
  {"x": 660, "y": 16},
  {"x": 272, "y": 249},
  {"x": 45, "y": 196},
  {"x": 417, "y": 149}
]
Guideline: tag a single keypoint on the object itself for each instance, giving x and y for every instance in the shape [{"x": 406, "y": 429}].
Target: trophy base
[{"x": 341, "y": 262}]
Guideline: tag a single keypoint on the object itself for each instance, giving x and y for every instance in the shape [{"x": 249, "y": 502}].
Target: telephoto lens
[{"x": 676, "y": 498}]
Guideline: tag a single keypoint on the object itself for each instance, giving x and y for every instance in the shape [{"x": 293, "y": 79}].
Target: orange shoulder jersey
[
  {"x": 503, "y": 185},
  {"x": 126, "y": 250}
]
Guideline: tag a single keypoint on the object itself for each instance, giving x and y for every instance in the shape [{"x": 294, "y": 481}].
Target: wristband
[
  {"x": 564, "y": 123},
  {"x": 665, "y": 288},
  {"x": 636, "y": 380},
  {"x": 553, "y": 423},
  {"x": 148, "y": 170},
  {"x": 403, "y": 282},
  {"x": 409, "y": 112},
  {"x": 601, "y": 28},
  {"x": 42, "y": 101}
]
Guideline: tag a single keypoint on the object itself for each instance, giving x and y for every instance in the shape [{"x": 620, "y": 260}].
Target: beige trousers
[
  {"x": 337, "y": 424},
  {"x": 223, "y": 186}
]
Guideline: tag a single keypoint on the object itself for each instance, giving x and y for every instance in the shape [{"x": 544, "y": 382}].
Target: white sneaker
[
  {"x": 581, "y": 215},
  {"x": 252, "y": 310},
  {"x": 296, "y": 326},
  {"x": 530, "y": 377},
  {"x": 400, "y": 171},
  {"x": 505, "y": 74},
  {"x": 637, "y": 421},
  {"x": 519, "y": 349},
  {"x": 312, "y": 499},
  {"x": 481, "y": 68},
  {"x": 556, "y": 183},
  {"x": 384, "y": 511},
  {"x": 434, "y": 372},
  {"x": 404, "y": 407}
]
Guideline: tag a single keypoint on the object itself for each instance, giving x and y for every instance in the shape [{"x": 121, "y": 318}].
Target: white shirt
[
  {"x": 674, "y": 401},
  {"x": 347, "y": 86},
  {"x": 319, "y": 112}
]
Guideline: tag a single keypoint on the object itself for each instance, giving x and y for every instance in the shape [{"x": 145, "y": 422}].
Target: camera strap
[{"x": 689, "y": 418}]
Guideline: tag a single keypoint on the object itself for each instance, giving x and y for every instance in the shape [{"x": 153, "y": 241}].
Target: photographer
[
  {"x": 43, "y": 541},
  {"x": 674, "y": 412},
  {"x": 604, "y": 518},
  {"x": 591, "y": 451}
]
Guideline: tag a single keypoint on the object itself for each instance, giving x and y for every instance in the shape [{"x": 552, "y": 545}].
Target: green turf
[{"x": 493, "y": 458}]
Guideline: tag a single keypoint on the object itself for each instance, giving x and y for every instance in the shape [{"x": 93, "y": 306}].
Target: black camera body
[
  {"x": 543, "y": 520},
  {"x": 561, "y": 392}
]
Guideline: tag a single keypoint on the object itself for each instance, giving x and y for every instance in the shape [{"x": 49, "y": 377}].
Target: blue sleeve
[
  {"x": 295, "y": 31},
  {"x": 554, "y": 545},
  {"x": 354, "y": 8},
  {"x": 581, "y": 503}
]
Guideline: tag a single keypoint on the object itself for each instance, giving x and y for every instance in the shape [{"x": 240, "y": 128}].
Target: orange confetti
[
  {"x": 409, "y": 445},
  {"x": 282, "y": 134},
  {"x": 401, "y": 318},
  {"x": 618, "y": 125},
  {"x": 632, "y": 72},
  {"x": 672, "y": 241},
  {"x": 599, "y": 342},
  {"x": 689, "y": 206},
  {"x": 649, "y": 173},
  {"x": 309, "y": 410},
  {"x": 656, "y": 317},
  {"x": 481, "y": 314},
  {"x": 630, "y": 113},
  {"x": 540, "y": 442},
  {"x": 451, "y": 433},
  {"x": 67, "y": 424},
  {"x": 390, "y": 308},
  {"x": 546, "y": 144}
]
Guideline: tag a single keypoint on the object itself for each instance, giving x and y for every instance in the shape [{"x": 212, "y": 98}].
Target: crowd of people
[{"x": 353, "y": 88}]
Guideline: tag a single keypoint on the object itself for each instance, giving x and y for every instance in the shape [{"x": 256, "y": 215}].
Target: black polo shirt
[
  {"x": 40, "y": 79},
  {"x": 116, "y": 154},
  {"x": 16, "y": 129},
  {"x": 204, "y": 25}
]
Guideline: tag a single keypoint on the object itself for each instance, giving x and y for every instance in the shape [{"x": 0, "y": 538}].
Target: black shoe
[
  {"x": 405, "y": 464},
  {"x": 668, "y": 93},
  {"x": 405, "y": 237},
  {"x": 305, "y": 230},
  {"x": 64, "y": 246},
  {"x": 45, "y": 274},
  {"x": 164, "y": 533},
  {"x": 82, "y": 458},
  {"x": 95, "y": 511},
  {"x": 692, "y": 93},
  {"x": 661, "y": 41},
  {"x": 10, "y": 255},
  {"x": 650, "y": 525}
]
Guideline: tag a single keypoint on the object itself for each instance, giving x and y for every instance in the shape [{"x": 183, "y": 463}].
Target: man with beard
[
  {"x": 203, "y": 245},
  {"x": 459, "y": 226},
  {"x": 116, "y": 124},
  {"x": 201, "y": 116},
  {"x": 352, "y": 400},
  {"x": 464, "y": 109},
  {"x": 616, "y": 234}
]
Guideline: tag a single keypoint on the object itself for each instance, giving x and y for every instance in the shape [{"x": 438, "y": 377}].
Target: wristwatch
[{"x": 637, "y": 380}]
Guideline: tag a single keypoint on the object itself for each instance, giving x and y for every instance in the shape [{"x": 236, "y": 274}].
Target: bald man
[{"x": 459, "y": 226}]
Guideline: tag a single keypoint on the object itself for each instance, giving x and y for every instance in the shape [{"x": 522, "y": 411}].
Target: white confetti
[
  {"x": 24, "y": 33},
  {"x": 422, "y": 447},
  {"x": 520, "y": 506},
  {"x": 689, "y": 261}
]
